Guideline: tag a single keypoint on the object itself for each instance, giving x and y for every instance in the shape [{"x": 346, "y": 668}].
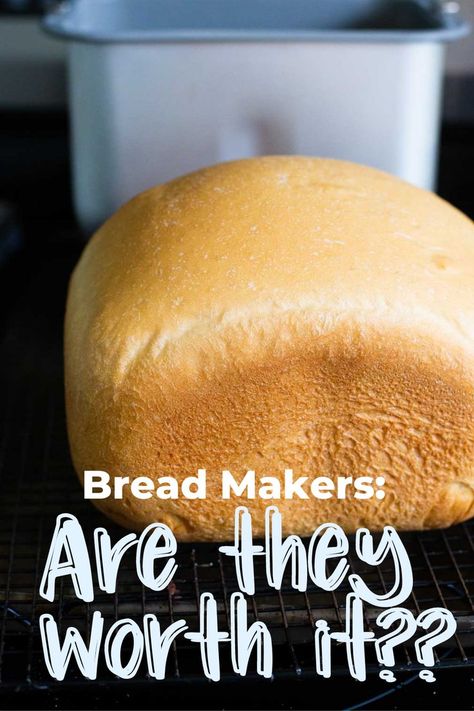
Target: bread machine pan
[{"x": 162, "y": 87}]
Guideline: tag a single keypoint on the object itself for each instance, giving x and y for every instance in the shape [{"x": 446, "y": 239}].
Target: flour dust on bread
[{"x": 272, "y": 313}]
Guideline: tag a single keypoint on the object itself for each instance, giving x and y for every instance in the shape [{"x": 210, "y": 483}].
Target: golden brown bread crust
[{"x": 271, "y": 313}]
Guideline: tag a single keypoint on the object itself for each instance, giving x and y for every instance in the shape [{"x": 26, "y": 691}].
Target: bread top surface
[{"x": 259, "y": 241}]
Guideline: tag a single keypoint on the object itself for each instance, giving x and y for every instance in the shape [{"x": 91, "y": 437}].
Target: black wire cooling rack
[{"x": 37, "y": 483}]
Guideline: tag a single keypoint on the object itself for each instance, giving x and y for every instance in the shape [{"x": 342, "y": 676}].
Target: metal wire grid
[{"x": 37, "y": 483}]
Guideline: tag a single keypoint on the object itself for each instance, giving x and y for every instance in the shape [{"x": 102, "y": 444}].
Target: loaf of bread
[{"x": 273, "y": 313}]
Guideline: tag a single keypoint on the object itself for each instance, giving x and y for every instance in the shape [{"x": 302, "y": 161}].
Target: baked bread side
[{"x": 274, "y": 313}]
